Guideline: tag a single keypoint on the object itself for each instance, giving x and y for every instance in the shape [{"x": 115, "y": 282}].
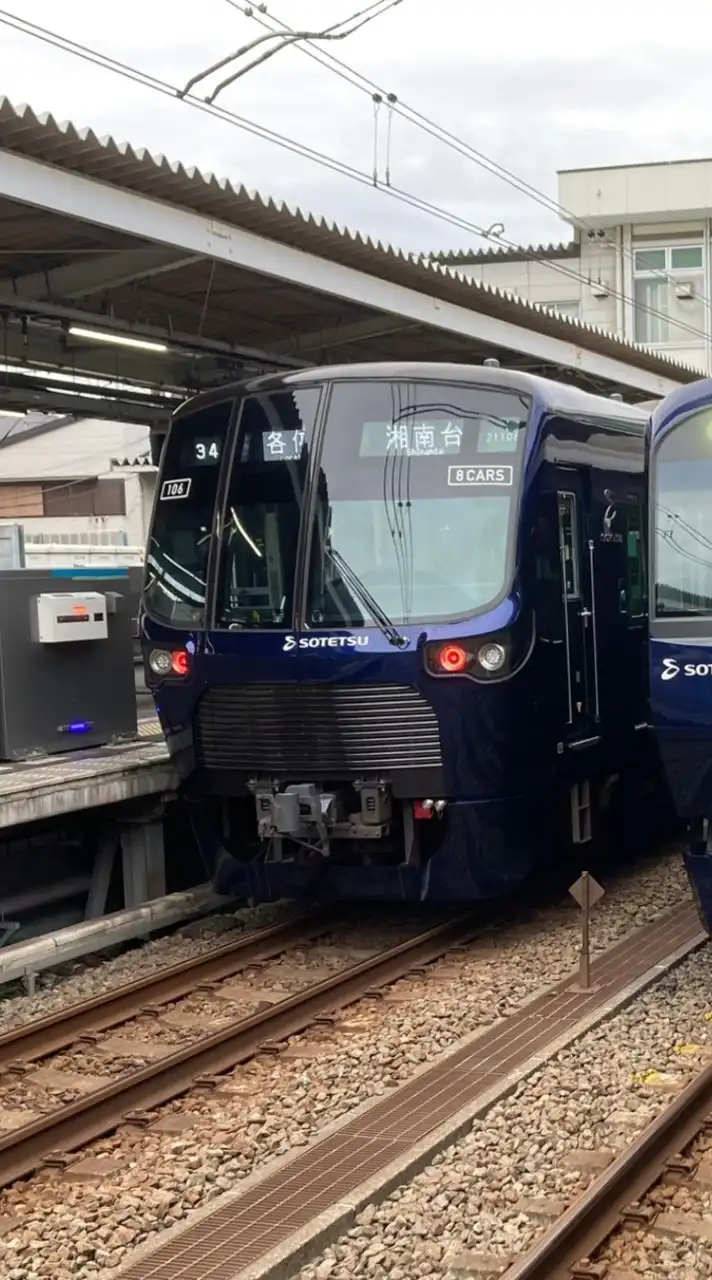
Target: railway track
[
  {"x": 43, "y": 1036},
  {"x": 616, "y": 1199},
  {"x": 129, "y": 1097}
]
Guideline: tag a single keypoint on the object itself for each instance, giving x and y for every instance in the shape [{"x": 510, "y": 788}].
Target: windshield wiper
[{"x": 391, "y": 632}]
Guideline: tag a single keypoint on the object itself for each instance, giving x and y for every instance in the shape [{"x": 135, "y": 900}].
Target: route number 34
[{"x": 205, "y": 451}]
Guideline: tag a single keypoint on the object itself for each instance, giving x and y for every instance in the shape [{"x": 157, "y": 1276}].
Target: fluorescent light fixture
[
  {"x": 12, "y": 413},
  {"x": 117, "y": 339},
  {"x": 79, "y": 381},
  {"x": 79, "y": 395}
]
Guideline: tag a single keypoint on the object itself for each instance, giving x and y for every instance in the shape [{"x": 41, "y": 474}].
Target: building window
[
  {"x": 62, "y": 498},
  {"x": 668, "y": 289},
  {"x": 566, "y": 308},
  {"x": 85, "y": 498},
  {"x": 20, "y": 501}
]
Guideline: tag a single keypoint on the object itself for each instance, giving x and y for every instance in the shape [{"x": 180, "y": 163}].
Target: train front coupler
[{"x": 312, "y": 816}]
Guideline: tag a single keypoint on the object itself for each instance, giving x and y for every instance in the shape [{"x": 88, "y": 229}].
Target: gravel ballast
[
  {"x": 476, "y": 1196},
  {"x": 82, "y": 979},
  {"x": 274, "y": 1106}
]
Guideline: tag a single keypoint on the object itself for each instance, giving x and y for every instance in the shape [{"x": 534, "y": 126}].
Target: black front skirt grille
[{"x": 315, "y": 730}]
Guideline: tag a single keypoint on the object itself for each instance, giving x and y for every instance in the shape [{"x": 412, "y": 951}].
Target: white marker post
[{"x": 587, "y": 892}]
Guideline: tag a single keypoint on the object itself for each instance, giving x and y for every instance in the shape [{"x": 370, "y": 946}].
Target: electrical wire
[
  {"x": 329, "y": 162},
  {"x": 668, "y": 538},
  {"x": 686, "y": 527},
  {"x": 357, "y": 21},
  {"x": 365, "y": 85},
  {"x": 341, "y": 167}
]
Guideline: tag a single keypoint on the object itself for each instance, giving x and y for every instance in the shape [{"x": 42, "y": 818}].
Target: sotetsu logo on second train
[
  {"x": 671, "y": 668},
  {"x": 323, "y": 642}
]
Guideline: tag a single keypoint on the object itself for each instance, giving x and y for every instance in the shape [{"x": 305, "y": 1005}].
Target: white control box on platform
[{"x": 64, "y": 616}]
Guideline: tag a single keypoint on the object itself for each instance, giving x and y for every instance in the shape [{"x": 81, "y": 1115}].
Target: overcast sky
[{"x": 535, "y": 86}]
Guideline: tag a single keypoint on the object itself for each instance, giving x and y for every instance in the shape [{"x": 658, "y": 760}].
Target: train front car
[
  {"x": 377, "y": 624},
  {"x": 681, "y": 616}
]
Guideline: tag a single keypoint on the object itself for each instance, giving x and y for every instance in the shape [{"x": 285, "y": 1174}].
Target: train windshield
[
  {"x": 263, "y": 509},
  {"x": 415, "y": 502},
  {"x": 683, "y": 519}
]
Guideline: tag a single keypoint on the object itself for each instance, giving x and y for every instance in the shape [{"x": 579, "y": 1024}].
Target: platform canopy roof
[{"x": 217, "y": 281}]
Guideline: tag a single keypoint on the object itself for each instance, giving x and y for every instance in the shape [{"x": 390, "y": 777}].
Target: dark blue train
[
  {"x": 681, "y": 616},
  {"x": 395, "y": 621}
]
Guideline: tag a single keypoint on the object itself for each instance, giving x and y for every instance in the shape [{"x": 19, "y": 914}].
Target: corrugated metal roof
[
  {"x": 142, "y": 463},
  {"x": 82, "y": 151},
  {"x": 522, "y": 253}
]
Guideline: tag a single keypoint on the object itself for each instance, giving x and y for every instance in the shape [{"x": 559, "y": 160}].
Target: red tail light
[
  {"x": 180, "y": 662},
  {"x": 453, "y": 658}
]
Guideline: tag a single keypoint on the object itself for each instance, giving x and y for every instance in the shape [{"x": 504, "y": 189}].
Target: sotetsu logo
[
  {"x": 323, "y": 642},
  {"x": 671, "y": 668},
  {"x": 609, "y": 515}
]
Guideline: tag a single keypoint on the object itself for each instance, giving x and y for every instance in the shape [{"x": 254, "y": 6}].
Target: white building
[
  {"x": 638, "y": 263},
  {"x": 81, "y": 488}
]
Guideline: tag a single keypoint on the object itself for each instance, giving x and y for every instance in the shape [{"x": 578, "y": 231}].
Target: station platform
[{"x": 50, "y": 786}]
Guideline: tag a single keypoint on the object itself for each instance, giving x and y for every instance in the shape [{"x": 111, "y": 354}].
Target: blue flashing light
[{"x": 77, "y": 726}]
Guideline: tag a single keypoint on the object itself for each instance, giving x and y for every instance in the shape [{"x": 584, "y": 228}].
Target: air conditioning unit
[
  {"x": 600, "y": 288},
  {"x": 684, "y": 289}
]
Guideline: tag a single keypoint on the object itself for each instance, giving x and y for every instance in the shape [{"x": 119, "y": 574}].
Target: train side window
[
  {"x": 568, "y": 542},
  {"x": 179, "y": 543},
  {"x": 637, "y": 569}
]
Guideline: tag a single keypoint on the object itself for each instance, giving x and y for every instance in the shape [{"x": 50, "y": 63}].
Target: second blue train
[{"x": 681, "y": 614}]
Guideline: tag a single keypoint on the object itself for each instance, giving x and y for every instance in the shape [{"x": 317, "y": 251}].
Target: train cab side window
[
  {"x": 568, "y": 541},
  {"x": 681, "y": 473},
  {"x": 637, "y": 569},
  {"x": 548, "y": 593},
  {"x": 175, "y": 589}
]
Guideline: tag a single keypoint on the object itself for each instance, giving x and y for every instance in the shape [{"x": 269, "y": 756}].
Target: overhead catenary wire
[
  {"x": 354, "y": 23},
  {"x": 330, "y": 162},
  {"x": 365, "y": 85},
  {"x": 289, "y": 144}
]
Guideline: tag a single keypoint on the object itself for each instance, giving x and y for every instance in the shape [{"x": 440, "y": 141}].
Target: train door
[
  {"x": 579, "y": 612},
  {"x": 632, "y": 609},
  {"x": 618, "y": 570}
]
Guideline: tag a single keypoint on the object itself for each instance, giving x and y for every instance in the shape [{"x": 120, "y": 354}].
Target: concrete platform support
[
  {"x": 144, "y": 861},
  {"x": 140, "y": 837},
  {"x": 101, "y": 874}
]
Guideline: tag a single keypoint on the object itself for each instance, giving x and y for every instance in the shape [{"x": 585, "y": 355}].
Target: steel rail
[
  {"x": 589, "y": 1221},
  {"x": 58, "y": 1030},
  {"x": 22, "y": 1150}
]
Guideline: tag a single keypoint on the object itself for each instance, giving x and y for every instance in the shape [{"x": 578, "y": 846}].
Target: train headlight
[
  {"x": 160, "y": 661},
  {"x": 486, "y": 659},
  {"x": 491, "y": 657}
]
